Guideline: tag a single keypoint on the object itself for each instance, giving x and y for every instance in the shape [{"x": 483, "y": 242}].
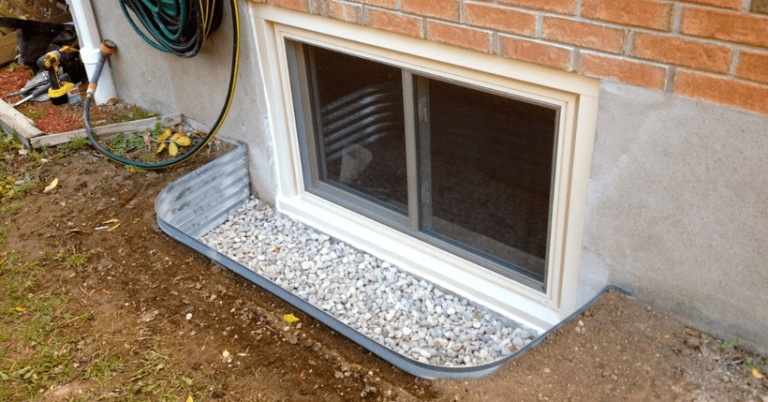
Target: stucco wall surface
[
  {"x": 678, "y": 209},
  {"x": 197, "y": 86}
]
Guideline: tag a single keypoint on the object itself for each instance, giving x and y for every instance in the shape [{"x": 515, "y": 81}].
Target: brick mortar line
[
  {"x": 716, "y": 8},
  {"x": 660, "y": 63},
  {"x": 368, "y": 7},
  {"x": 514, "y": 7},
  {"x": 677, "y": 17},
  {"x": 715, "y": 75},
  {"x": 746, "y": 46},
  {"x": 495, "y": 44},
  {"x": 745, "y": 5},
  {"x": 458, "y": 24},
  {"x": 629, "y": 46},
  {"x": 734, "y": 61},
  {"x": 669, "y": 79},
  {"x": 739, "y": 11},
  {"x": 364, "y": 15},
  {"x": 576, "y": 60},
  {"x": 539, "y": 25},
  {"x": 578, "y": 8},
  {"x": 390, "y": 11},
  {"x": 462, "y": 13},
  {"x": 537, "y": 40},
  {"x": 699, "y": 39},
  {"x": 627, "y": 58},
  {"x": 346, "y": 3}
]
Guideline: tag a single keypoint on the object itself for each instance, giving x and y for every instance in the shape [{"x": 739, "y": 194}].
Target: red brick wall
[{"x": 714, "y": 50}]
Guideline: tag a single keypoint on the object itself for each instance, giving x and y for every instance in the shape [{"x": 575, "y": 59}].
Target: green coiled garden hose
[{"x": 179, "y": 27}]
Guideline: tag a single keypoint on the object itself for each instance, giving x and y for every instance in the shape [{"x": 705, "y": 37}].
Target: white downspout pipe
[{"x": 90, "y": 40}]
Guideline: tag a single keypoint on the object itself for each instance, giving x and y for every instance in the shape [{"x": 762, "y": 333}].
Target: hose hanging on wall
[{"x": 179, "y": 27}]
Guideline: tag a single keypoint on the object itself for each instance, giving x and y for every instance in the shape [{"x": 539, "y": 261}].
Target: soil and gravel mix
[{"x": 147, "y": 295}]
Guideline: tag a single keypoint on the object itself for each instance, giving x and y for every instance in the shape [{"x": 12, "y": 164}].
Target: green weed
[
  {"x": 78, "y": 143},
  {"x": 36, "y": 113},
  {"x": 73, "y": 259},
  {"x": 123, "y": 144},
  {"x": 11, "y": 209},
  {"x": 732, "y": 344},
  {"x": 134, "y": 114}
]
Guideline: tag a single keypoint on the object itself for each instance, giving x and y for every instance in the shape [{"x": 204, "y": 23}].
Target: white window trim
[{"x": 576, "y": 95}]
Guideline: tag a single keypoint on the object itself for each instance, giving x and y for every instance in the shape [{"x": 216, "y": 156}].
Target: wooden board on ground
[
  {"x": 105, "y": 132},
  {"x": 14, "y": 121},
  {"x": 8, "y": 47}
]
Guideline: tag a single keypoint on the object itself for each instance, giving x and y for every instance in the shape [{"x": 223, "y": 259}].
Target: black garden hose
[{"x": 179, "y": 27}]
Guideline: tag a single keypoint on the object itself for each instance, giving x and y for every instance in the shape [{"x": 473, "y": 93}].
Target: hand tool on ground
[
  {"x": 50, "y": 63},
  {"x": 37, "y": 92}
]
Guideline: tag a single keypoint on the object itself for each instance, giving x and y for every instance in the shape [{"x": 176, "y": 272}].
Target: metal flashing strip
[{"x": 194, "y": 204}]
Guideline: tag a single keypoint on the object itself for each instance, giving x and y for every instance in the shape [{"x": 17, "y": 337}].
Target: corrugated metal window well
[{"x": 411, "y": 323}]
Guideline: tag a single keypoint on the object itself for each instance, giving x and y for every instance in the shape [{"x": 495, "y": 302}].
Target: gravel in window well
[{"x": 399, "y": 310}]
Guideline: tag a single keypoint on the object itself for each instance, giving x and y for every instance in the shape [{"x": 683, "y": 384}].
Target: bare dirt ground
[{"x": 136, "y": 287}]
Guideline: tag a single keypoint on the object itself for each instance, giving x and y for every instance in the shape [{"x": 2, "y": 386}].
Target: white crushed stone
[{"x": 400, "y": 311}]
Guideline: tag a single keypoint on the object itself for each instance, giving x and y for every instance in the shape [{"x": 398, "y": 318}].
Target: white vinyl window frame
[{"x": 576, "y": 96}]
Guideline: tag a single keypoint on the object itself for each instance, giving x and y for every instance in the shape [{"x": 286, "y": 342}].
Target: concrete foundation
[{"x": 677, "y": 207}]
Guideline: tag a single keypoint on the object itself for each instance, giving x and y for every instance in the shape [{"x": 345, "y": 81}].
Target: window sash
[{"x": 415, "y": 102}]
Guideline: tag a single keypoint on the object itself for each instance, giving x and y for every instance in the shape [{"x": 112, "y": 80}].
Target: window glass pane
[
  {"x": 360, "y": 137},
  {"x": 486, "y": 164}
]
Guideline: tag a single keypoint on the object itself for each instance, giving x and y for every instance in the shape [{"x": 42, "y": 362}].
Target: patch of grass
[
  {"x": 101, "y": 367},
  {"x": 740, "y": 359},
  {"x": 153, "y": 381},
  {"x": 15, "y": 184},
  {"x": 732, "y": 344},
  {"x": 78, "y": 143},
  {"x": 134, "y": 114},
  {"x": 35, "y": 352},
  {"x": 13, "y": 189},
  {"x": 11, "y": 209},
  {"x": 35, "y": 113},
  {"x": 123, "y": 144},
  {"x": 37, "y": 156},
  {"x": 73, "y": 259}
]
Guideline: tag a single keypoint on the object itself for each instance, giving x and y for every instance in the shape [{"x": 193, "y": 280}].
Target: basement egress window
[{"x": 464, "y": 168}]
